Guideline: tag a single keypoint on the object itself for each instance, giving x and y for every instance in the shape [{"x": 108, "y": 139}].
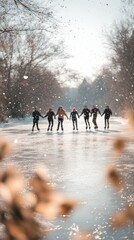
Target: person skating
[
  {"x": 86, "y": 111},
  {"x": 73, "y": 115},
  {"x": 94, "y": 113},
  {"x": 36, "y": 114},
  {"x": 61, "y": 113},
  {"x": 50, "y": 117},
  {"x": 107, "y": 113}
]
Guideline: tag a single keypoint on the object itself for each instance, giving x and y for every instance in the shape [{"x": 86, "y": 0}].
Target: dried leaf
[
  {"x": 130, "y": 211},
  {"x": 5, "y": 148},
  {"x": 114, "y": 177},
  {"x": 13, "y": 180},
  {"x": 119, "y": 144},
  {"x": 15, "y": 231},
  {"x": 48, "y": 210},
  {"x": 130, "y": 117},
  {"x": 42, "y": 188},
  {"x": 67, "y": 205},
  {"x": 119, "y": 219},
  {"x": 5, "y": 194}
]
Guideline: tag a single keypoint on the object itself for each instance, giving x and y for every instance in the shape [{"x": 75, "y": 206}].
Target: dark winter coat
[
  {"x": 86, "y": 112},
  {"x": 95, "y": 111},
  {"x": 74, "y": 115},
  {"x": 107, "y": 113},
  {"x": 36, "y": 114},
  {"x": 50, "y": 115}
]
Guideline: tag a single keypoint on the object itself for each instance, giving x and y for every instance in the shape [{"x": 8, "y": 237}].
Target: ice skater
[
  {"x": 73, "y": 115},
  {"x": 107, "y": 113},
  {"x": 61, "y": 113},
  {"x": 86, "y": 111},
  {"x": 95, "y": 112},
  {"x": 36, "y": 114},
  {"x": 50, "y": 117}
]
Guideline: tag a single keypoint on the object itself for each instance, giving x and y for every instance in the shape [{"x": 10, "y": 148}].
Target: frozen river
[{"x": 76, "y": 162}]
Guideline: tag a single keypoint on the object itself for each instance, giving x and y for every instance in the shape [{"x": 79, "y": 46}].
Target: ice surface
[{"x": 76, "y": 162}]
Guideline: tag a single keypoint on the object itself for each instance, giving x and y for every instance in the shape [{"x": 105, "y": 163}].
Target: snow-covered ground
[{"x": 76, "y": 161}]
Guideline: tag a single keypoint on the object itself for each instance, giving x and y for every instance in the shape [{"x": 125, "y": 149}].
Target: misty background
[{"x": 34, "y": 68}]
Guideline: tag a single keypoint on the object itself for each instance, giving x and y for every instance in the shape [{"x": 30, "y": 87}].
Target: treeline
[
  {"x": 27, "y": 47},
  {"x": 114, "y": 84}
]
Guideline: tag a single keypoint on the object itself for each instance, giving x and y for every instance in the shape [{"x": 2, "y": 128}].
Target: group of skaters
[{"x": 74, "y": 115}]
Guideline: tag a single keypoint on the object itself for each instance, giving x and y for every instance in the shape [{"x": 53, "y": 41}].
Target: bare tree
[
  {"x": 28, "y": 56},
  {"x": 28, "y": 46},
  {"x": 20, "y": 15},
  {"x": 122, "y": 45},
  {"x": 40, "y": 89}
]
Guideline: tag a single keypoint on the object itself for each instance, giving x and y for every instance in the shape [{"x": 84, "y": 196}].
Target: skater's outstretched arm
[
  {"x": 54, "y": 115},
  {"x": 81, "y": 113},
  {"x": 78, "y": 114},
  {"x": 99, "y": 111},
  {"x": 40, "y": 114},
  {"x": 103, "y": 113},
  {"x": 46, "y": 115}
]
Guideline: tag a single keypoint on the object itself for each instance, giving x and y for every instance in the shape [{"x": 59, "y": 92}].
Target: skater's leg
[
  {"x": 76, "y": 124},
  {"x": 62, "y": 124},
  {"x": 37, "y": 125},
  {"x": 85, "y": 121},
  {"x": 58, "y": 124},
  {"x": 52, "y": 123},
  {"x": 88, "y": 123},
  {"x": 105, "y": 120},
  {"x": 33, "y": 126},
  {"x": 49, "y": 123},
  {"x": 73, "y": 120},
  {"x": 94, "y": 122}
]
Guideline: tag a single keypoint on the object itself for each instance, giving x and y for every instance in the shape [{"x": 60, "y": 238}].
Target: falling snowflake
[{"x": 25, "y": 77}]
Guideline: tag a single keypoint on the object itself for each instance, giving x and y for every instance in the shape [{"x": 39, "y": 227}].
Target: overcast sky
[{"x": 83, "y": 25}]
